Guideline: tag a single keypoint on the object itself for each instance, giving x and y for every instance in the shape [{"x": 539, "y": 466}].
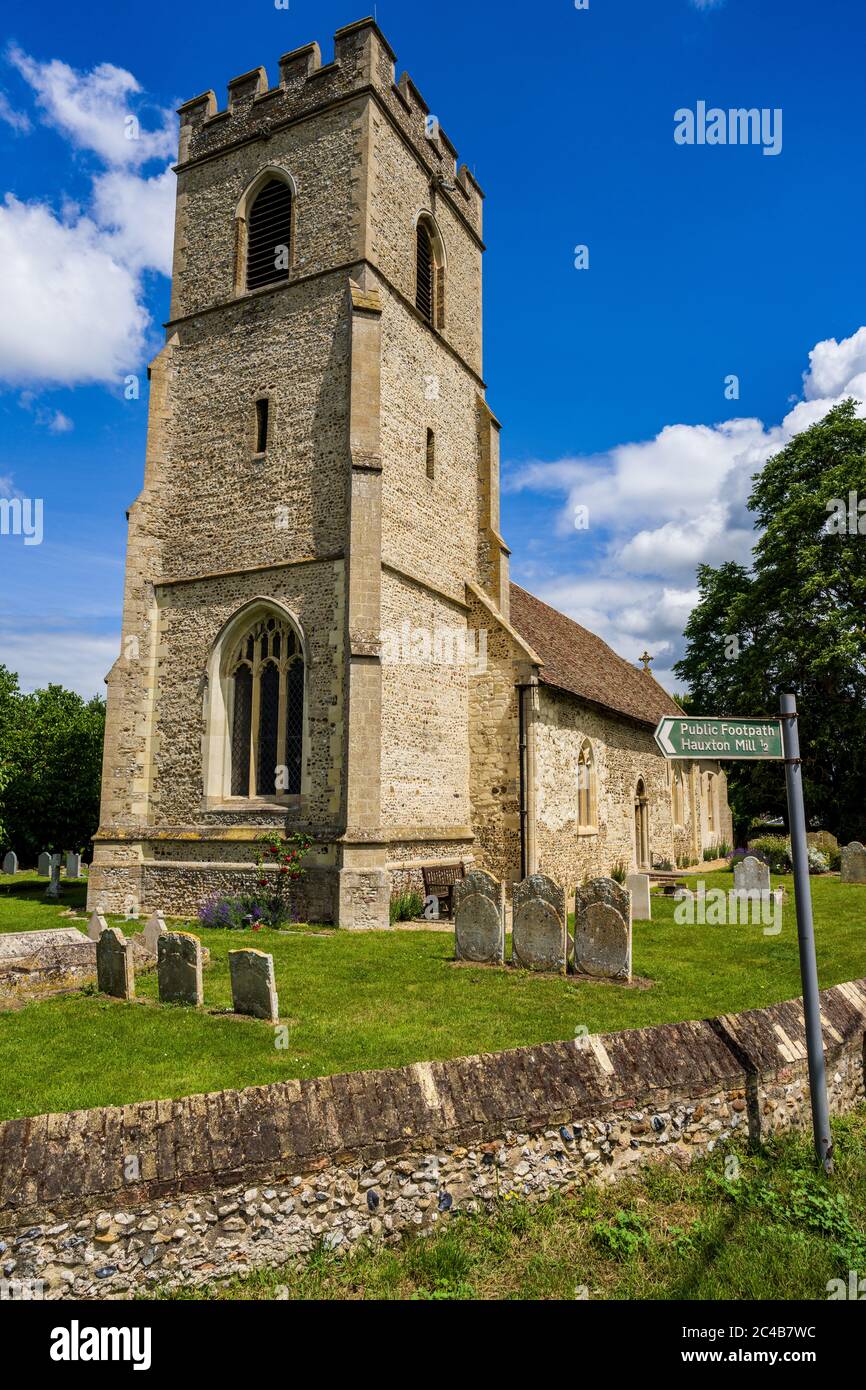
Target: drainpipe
[{"x": 527, "y": 705}]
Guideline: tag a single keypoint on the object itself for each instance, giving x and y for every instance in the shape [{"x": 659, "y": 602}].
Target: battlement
[{"x": 363, "y": 59}]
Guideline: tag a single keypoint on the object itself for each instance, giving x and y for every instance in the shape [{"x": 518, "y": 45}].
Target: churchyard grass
[
  {"x": 384, "y": 999},
  {"x": 778, "y": 1230}
]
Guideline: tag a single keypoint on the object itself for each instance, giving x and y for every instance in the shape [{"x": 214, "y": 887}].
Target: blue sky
[{"x": 704, "y": 262}]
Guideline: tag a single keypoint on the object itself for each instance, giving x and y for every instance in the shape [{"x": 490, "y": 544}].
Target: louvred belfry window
[
  {"x": 266, "y": 673},
  {"x": 269, "y": 233},
  {"x": 426, "y": 271}
]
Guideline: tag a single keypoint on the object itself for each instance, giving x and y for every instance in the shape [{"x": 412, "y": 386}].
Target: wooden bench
[{"x": 439, "y": 881}]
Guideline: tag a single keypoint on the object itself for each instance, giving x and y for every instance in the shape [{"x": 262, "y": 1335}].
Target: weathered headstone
[
  {"x": 53, "y": 890},
  {"x": 602, "y": 930},
  {"x": 639, "y": 887},
  {"x": 10, "y": 863},
  {"x": 751, "y": 876},
  {"x": 96, "y": 926},
  {"x": 478, "y": 905},
  {"x": 179, "y": 965},
  {"x": 854, "y": 863},
  {"x": 27, "y": 943},
  {"x": 254, "y": 989},
  {"x": 43, "y": 864},
  {"x": 539, "y": 932},
  {"x": 114, "y": 970},
  {"x": 154, "y": 929},
  {"x": 73, "y": 866}
]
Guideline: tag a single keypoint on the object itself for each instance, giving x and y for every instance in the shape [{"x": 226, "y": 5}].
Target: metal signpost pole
[{"x": 806, "y": 934}]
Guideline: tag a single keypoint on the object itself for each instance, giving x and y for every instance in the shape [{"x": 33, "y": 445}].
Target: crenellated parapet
[{"x": 363, "y": 61}]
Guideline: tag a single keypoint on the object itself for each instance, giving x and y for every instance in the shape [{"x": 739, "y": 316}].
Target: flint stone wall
[{"x": 103, "y": 1203}]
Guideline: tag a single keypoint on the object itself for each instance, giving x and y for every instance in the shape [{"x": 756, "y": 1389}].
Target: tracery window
[{"x": 266, "y": 691}]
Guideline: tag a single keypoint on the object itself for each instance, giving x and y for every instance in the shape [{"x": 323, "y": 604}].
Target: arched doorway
[{"x": 641, "y": 827}]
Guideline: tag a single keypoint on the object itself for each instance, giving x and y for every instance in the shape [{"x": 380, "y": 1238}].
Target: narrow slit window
[
  {"x": 431, "y": 454},
  {"x": 262, "y": 425}
]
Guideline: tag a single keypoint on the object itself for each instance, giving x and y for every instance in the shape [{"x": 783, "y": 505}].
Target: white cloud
[
  {"x": 708, "y": 4},
  {"x": 71, "y": 281},
  {"x": 18, "y": 120},
  {"x": 97, "y": 110},
  {"x": 660, "y": 507},
  {"x": 138, "y": 214},
  {"x": 71, "y": 311}
]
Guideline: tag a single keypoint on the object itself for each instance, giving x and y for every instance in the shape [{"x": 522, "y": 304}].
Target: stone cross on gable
[{"x": 646, "y": 659}]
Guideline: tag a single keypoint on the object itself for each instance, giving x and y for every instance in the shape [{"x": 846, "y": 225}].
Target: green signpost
[
  {"x": 689, "y": 736},
  {"x": 683, "y": 736}
]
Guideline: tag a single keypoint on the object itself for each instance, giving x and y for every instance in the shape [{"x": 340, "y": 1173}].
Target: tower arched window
[
  {"x": 429, "y": 272},
  {"x": 269, "y": 234},
  {"x": 265, "y": 674},
  {"x": 587, "y": 798}
]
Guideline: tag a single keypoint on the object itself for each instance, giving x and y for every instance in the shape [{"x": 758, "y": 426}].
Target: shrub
[
  {"x": 242, "y": 913},
  {"x": 663, "y": 865},
  {"x": 272, "y": 905},
  {"x": 818, "y": 861},
  {"x": 405, "y": 907},
  {"x": 619, "y": 872},
  {"x": 834, "y": 860},
  {"x": 775, "y": 850}
]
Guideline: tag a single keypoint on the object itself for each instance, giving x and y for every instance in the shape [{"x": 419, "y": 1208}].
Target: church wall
[
  {"x": 623, "y": 753},
  {"x": 425, "y": 680},
  {"x": 399, "y": 190},
  {"x": 192, "y": 616},
  {"x": 494, "y": 736},
  {"x": 321, "y": 155},
  {"x": 429, "y": 525},
  {"x": 221, "y": 504}
]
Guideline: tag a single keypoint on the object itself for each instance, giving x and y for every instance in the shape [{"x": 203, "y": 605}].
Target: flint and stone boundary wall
[{"x": 105, "y": 1203}]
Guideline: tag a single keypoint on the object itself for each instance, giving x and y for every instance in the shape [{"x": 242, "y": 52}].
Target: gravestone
[
  {"x": 73, "y": 866},
  {"x": 854, "y": 863},
  {"x": 154, "y": 929},
  {"x": 52, "y": 892},
  {"x": 96, "y": 926},
  {"x": 639, "y": 887},
  {"x": 179, "y": 965},
  {"x": 478, "y": 905},
  {"x": 539, "y": 934},
  {"x": 751, "y": 876},
  {"x": 10, "y": 863},
  {"x": 114, "y": 971},
  {"x": 254, "y": 989},
  {"x": 28, "y": 943},
  {"x": 602, "y": 930},
  {"x": 43, "y": 864}
]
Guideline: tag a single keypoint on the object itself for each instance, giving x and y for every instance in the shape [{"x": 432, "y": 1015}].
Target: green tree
[
  {"x": 796, "y": 621},
  {"x": 51, "y": 757}
]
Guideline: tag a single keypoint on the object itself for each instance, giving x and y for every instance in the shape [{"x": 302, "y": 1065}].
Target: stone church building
[{"x": 319, "y": 630}]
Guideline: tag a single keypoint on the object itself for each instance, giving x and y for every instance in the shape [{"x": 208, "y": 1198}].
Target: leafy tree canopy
[
  {"x": 50, "y": 765},
  {"x": 795, "y": 621}
]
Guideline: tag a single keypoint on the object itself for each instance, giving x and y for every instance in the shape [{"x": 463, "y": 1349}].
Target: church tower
[{"x": 319, "y": 516}]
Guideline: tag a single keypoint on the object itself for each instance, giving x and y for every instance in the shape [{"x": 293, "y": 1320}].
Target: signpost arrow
[{"x": 735, "y": 738}]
